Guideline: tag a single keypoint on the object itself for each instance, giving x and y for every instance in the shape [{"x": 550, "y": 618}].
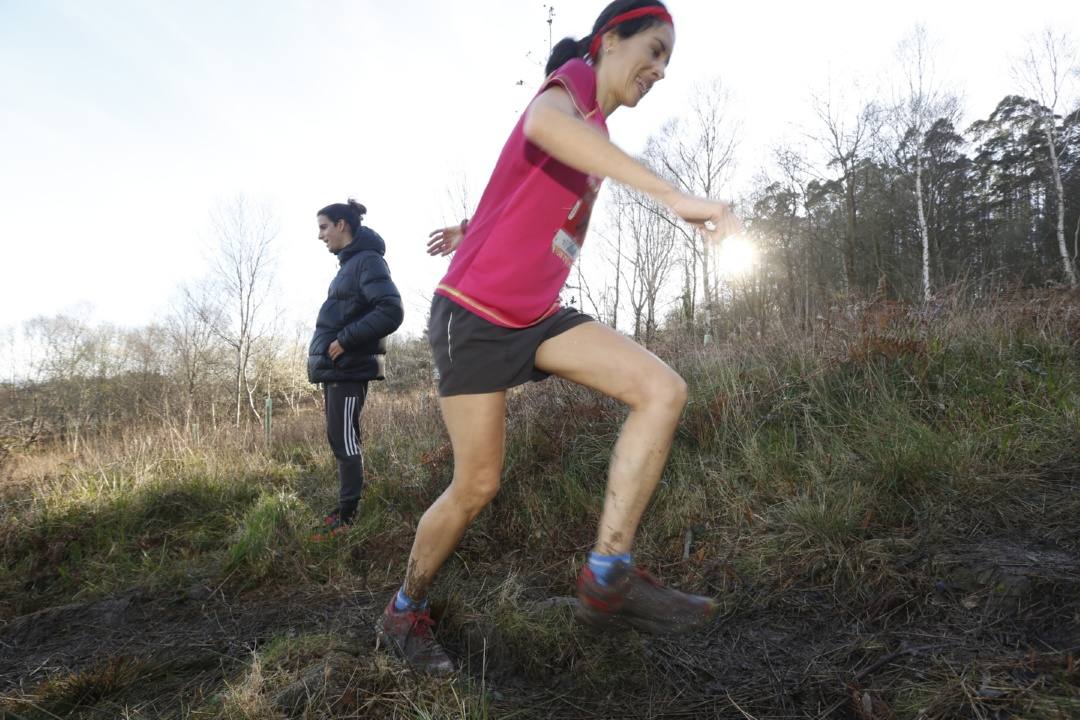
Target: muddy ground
[{"x": 984, "y": 628}]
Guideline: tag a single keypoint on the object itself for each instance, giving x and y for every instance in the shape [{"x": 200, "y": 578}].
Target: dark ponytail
[
  {"x": 352, "y": 213},
  {"x": 568, "y": 48}
]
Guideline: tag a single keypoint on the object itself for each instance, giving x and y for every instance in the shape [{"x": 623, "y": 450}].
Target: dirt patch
[
  {"x": 1007, "y": 573},
  {"x": 185, "y": 644}
]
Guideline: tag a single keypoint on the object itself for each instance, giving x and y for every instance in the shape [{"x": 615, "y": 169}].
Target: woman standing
[
  {"x": 362, "y": 307},
  {"x": 496, "y": 322}
]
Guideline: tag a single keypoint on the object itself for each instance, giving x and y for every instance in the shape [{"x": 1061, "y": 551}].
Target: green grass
[{"x": 272, "y": 531}]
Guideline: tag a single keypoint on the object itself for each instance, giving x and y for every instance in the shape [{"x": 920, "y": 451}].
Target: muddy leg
[
  {"x": 598, "y": 357},
  {"x": 477, "y": 427}
]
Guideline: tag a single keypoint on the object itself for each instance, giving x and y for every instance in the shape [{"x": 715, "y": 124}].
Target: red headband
[{"x": 655, "y": 11}]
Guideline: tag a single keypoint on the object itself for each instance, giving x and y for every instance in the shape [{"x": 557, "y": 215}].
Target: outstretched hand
[
  {"x": 444, "y": 241},
  {"x": 715, "y": 218}
]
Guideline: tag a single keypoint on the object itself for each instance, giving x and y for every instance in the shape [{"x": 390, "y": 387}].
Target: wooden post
[{"x": 268, "y": 420}]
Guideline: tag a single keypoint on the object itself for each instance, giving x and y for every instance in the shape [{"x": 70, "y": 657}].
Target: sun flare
[{"x": 737, "y": 256}]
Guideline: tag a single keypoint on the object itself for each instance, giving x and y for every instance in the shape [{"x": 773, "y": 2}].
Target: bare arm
[{"x": 553, "y": 124}]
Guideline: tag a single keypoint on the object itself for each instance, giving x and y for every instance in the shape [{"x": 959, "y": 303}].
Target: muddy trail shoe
[
  {"x": 332, "y": 525},
  {"x": 408, "y": 635},
  {"x": 634, "y": 598}
]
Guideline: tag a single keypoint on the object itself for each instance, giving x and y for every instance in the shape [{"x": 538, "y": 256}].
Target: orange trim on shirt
[
  {"x": 481, "y": 308},
  {"x": 565, "y": 86}
]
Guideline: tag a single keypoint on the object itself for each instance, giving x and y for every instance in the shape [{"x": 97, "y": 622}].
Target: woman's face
[
  {"x": 335, "y": 235},
  {"x": 634, "y": 64}
]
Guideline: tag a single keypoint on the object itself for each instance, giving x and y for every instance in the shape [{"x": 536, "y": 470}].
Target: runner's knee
[
  {"x": 664, "y": 391},
  {"x": 474, "y": 491}
]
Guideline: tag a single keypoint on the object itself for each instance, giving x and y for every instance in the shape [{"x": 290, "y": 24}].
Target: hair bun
[{"x": 360, "y": 209}]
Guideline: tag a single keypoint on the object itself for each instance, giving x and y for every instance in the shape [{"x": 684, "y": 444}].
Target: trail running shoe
[
  {"x": 332, "y": 525},
  {"x": 634, "y": 598},
  {"x": 409, "y": 636}
]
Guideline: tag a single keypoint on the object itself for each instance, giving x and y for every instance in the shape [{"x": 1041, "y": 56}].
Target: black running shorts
[{"x": 473, "y": 355}]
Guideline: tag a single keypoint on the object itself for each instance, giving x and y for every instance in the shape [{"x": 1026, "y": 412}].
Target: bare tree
[
  {"x": 598, "y": 301},
  {"x": 601, "y": 265},
  {"x": 62, "y": 344},
  {"x": 845, "y": 138},
  {"x": 1045, "y": 72},
  {"x": 9, "y": 354},
  {"x": 697, "y": 153},
  {"x": 190, "y": 330},
  {"x": 71, "y": 356},
  {"x": 457, "y": 205},
  {"x": 615, "y": 295},
  {"x": 783, "y": 197},
  {"x": 292, "y": 370},
  {"x": 139, "y": 368},
  {"x": 243, "y": 270},
  {"x": 920, "y": 101},
  {"x": 650, "y": 257},
  {"x": 459, "y": 199}
]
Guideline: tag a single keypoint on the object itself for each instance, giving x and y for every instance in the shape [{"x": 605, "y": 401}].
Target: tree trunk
[
  {"x": 705, "y": 285},
  {"x": 850, "y": 248},
  {"x": 924, "y": 231},
  {"x": 690, "y": 290},
  {"x": 239, "y": 384},
  {"x": 618, "y": 280},
  {"x": 1076, "y": 240},
  {"x": 792, "y": 288},
  {"x": 250, "y": 388},
  {"x": 1066, "y": 261}
]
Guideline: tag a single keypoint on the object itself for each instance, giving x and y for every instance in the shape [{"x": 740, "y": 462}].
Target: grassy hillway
[{"x": 886, "y": 507}]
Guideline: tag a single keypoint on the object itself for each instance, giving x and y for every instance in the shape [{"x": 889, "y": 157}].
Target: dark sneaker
[
  {"x": 408, "y": 634},
  {"x": 634, "y": 598},
  {"x": 333, "y": 524}
]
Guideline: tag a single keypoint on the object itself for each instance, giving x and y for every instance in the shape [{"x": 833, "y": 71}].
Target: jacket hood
[{"x": 366, "y": 239}]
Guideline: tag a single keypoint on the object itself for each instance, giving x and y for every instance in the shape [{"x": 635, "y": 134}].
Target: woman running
[{"x": 496, "y": 323}]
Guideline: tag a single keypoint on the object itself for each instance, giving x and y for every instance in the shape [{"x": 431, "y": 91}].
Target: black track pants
[{"x": 344, "y": 401}]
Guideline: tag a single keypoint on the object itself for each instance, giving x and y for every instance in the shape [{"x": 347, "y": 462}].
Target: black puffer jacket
[{"x": 361, "y": 309}]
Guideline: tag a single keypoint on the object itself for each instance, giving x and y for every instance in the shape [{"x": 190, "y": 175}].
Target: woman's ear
[{"x": 611, "y": 41}]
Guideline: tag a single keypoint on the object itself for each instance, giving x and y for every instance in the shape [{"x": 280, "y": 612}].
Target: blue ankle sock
[
  {"x": 602, "y": 565},
  {"x": 403, "y": 602}
]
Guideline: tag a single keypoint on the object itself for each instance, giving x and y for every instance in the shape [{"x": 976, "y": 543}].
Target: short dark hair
[
  {"x": 351, "y": 212},
  {"x": 568, "y": 48}
]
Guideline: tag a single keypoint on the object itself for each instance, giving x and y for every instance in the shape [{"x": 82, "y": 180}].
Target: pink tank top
[{"x": 530, "y": 224}]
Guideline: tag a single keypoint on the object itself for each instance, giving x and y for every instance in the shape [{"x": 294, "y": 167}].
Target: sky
[{"x": 124, "y": 123}]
